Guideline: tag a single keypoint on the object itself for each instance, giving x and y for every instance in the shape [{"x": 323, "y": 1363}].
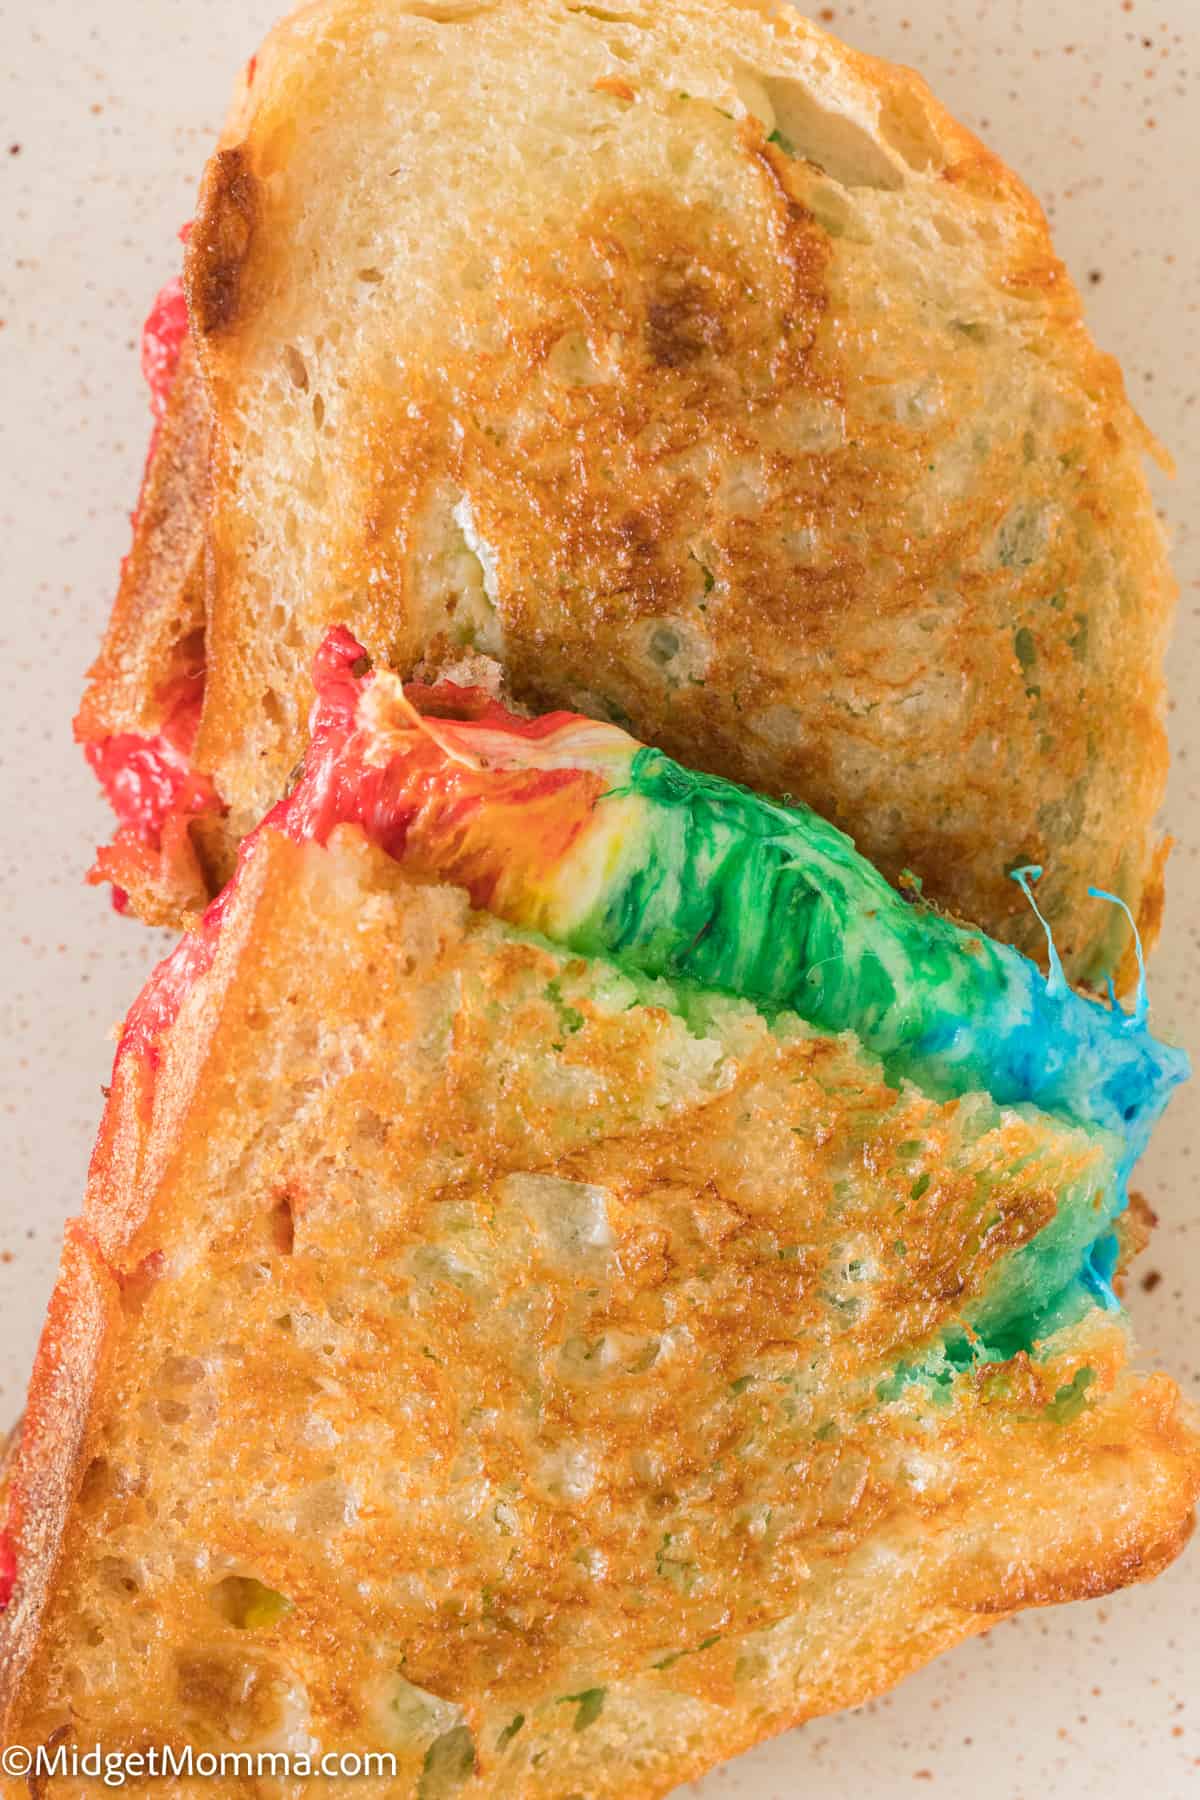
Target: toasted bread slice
[
  {"x": 712, "y": 376},
  {"x": 465, "y": 1355}
]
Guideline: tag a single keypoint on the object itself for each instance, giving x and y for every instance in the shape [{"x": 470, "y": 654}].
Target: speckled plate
[{"x": 109, "y": 109}]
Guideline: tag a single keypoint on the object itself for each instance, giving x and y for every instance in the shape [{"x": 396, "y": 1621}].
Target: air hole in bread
[
  {"x": 371, "y": 276},
  {"x": 182, "y": 1371},
  {"x": 283, "y": 1226},
  {"x": 678, "y": 649},
  {"x": 318, "y": 410},
  {"x": 664, "y": 644},
  {"x": 119, "y": 1575},
  {"x": 247, "y": 1603},
  {"x": 272, "y": 707},
  {"x": 845, "y": 150},
  {"x": 97, "y": 1482},
  {"x": 297, "y": 368}
]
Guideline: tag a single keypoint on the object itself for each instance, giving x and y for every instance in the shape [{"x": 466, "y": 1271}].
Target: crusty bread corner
[
  {"x": 9, "y": 1445},
  {"x": 160, "y": 596},
  {"x": 156, "y": 631},
  {"x": 44, "y": 1474},
  {"x": 448, "y": 1303},
  {"x": 710, "y": 376}
]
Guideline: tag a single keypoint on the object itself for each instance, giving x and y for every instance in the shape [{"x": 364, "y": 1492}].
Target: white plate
[{"x": 113, "y": 104}]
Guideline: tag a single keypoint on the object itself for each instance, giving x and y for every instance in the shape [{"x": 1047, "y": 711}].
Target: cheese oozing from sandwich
[{"x": 570, "y": 829}]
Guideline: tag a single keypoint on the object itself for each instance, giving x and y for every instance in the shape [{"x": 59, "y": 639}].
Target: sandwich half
[
  {"x": 715, "y": 380},
  {"x": 528, "y": 1329}
]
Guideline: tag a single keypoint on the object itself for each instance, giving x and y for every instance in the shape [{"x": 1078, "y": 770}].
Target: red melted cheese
[
  {"x": 162, "y": 340},
  {"x": 163, "y": 333},
  {"x": 155, "y": 793},
  {"x": 416, "y": 805},
  {"x": 8, "y": 1569},
  {"x": 143, "y": 777}
]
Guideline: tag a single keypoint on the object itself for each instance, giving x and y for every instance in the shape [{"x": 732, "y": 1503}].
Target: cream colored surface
[{"x": 112, "y": 108}]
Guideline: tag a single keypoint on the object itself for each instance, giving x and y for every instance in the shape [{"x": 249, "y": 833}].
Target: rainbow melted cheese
[{"x": 571, "y": 829}]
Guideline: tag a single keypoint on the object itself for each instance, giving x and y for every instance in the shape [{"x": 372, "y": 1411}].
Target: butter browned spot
[
  {"x": 680, "y": 326},
  {"x": 220, "y": 240}
]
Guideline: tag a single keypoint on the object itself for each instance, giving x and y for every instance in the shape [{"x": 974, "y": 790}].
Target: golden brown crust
[
  {"x": 8, "y": 1454},
  {"x": 1135, "y": 1228},
  {"x": 50, "y": 1456},
  {"x": 224, "y": 233},
  {"x": 154, "y": 641},
  {"x": 169, "y": 890},
  {"x": 803, "y": 464},
  {"x": 160, "y": 599},
  {"x": 528, "y": 1342}
]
